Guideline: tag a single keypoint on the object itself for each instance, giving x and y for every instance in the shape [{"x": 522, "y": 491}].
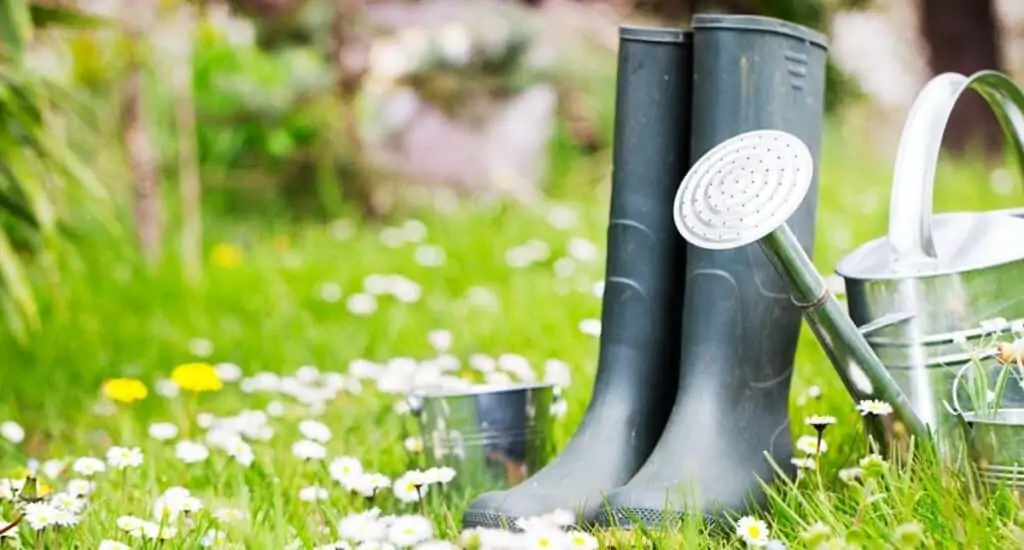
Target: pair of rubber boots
[{"x": 697, "y": 346}]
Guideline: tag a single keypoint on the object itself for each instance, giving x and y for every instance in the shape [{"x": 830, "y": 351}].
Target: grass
[{"x": 269, "y": 303}]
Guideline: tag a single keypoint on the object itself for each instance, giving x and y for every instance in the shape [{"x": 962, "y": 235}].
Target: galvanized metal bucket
[
  {"x": 494, "y": 437},
  {"x": 994, "y": 439},
  {"x": 944, "y": 273}
]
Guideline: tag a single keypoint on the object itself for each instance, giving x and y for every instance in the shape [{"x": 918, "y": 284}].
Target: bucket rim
[
  {"x": 988, "y": 419},
  {"x": 484, "y": 389}
]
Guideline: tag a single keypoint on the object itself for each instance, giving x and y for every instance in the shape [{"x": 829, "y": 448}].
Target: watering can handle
[{"x": 910, "y": 211}]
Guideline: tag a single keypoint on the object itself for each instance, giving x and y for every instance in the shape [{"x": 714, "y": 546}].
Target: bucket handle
[
  {"x": 956, "y": 409},
  {"x": 911, "y": 246}
]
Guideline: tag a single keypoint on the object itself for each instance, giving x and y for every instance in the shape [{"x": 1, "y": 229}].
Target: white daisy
[
  {"x": 88, "y": 466},
  {"x": 752, "y": 531},
  {"x": 410, "y": 530},
  {"x": 163, "y": 431},
  {"x": 875, "y": 407},
  {"x": 309, "y": 450},
  {"x": 191, "y": 452},
  {"x": 124, "y": 457}
]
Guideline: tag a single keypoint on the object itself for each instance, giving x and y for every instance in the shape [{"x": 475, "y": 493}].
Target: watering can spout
[
  {"x": 742, "y": 191},
  {"x": 858, "y": 366},
  {"x": 911, "y": 246}
]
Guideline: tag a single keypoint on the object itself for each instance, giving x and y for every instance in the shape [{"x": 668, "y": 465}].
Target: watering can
[
  {"x": 937, "y": 277},
  {"x": 914, "y": 297}
]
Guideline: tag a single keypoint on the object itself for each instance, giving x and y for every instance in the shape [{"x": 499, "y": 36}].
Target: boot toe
[
  {"x": 488, "y": 511},
  {"x": 657, "y": 508},
  {"x": 630, "y": 507},
  {"x": 502, "y": 509}
]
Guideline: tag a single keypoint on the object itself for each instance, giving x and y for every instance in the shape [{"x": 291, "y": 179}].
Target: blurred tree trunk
[
  {"x": 265, "y": 8},
  {"x": 963, "y": 36},
  {"x": 676, "y": 9},
  {"x": 189, "y": 182},
  {"x": 351, "y": 48},
  {"x": 142, "y": 155},
  {"x": 580, "y": 121}
]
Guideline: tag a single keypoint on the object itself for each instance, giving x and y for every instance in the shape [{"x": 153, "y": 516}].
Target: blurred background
[{"x": 150, "y": 147}]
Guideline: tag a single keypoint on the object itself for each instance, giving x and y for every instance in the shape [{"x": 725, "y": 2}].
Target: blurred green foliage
[
  {"x": 43, "y": 183},
  {"x": 251, "y": 101},
  {"x": 266, "y": 107}
]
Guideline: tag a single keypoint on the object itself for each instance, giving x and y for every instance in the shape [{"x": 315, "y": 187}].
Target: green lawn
[{"x": 279, "y": 299}]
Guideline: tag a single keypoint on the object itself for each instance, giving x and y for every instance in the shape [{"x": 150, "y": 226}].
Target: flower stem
[
  {"x": 190, "y": 412},
  {"x": 12, "y": 524},
  {"x": 124, "y": 485}
]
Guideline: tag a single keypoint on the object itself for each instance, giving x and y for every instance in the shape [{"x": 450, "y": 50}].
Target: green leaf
[
  {"x": 13, "y": 319},
  {"x": 15, "y": 28},
  {"x": 64, "y": 16},
  {"x": 29, "y": 176},
  {"x": 12, "y": 205},
  {"x": 12, "y": 274},
  {"x": 40, "y": 174},
  {"x": 53, "y": 151},
  {"x": 73, "y": 166}
]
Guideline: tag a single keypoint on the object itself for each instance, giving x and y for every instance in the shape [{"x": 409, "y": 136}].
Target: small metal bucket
[
  {"x": 494, "y": 437},
  {"x": 994, "y": 440}
]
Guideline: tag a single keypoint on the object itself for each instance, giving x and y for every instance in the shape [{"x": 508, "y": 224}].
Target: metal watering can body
[
  {"x": 915, "y": 297},
  {"x": 943, "y": 274}
]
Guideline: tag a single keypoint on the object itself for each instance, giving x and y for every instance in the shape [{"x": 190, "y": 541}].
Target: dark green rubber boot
[
  {"x": 636, "y": 373},
  {"x": 740, "y": 328}
]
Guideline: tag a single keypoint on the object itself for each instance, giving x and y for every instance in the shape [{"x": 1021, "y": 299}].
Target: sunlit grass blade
[
  {"x": 15, "y": 28},
  {"x": 13, "y": 319},
  {"x": 58, "y": 153},
  {"x": 16, "y": 284},
  {"x": 46, "y": 15},
  {"x": 29, "y": 176}
]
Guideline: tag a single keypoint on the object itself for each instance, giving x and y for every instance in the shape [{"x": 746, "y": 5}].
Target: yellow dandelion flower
[
  {"x": 125, "y": 390},
  {"x": 226, "y": 255},
  {"x": 196, "y": 377}
]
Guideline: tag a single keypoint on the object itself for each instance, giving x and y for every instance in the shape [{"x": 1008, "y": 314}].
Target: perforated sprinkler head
[{"x": 743, "y": 189}]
